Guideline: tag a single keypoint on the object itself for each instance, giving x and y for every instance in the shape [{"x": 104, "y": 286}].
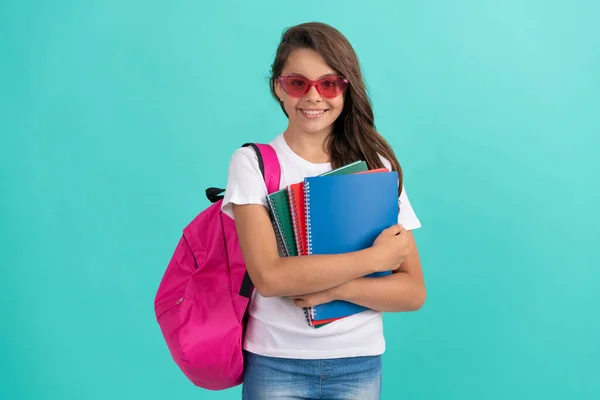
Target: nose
[{"x": 313, "y": 95}]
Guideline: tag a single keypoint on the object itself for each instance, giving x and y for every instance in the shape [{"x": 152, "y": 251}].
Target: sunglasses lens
[
  {"x": 332, "y": 86},
  {"x": 296, "y": 86},
  {"x": 328, "y": 87}
]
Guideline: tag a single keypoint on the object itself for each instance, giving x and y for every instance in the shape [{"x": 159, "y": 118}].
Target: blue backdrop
[{"x": 116, "y": 115}]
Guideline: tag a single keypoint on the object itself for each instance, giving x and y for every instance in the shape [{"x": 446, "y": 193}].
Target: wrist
[
  {"x": 374, "y": 261},
  {"x": 343, "y": 291},
  {"x": 335, "y": 293}
]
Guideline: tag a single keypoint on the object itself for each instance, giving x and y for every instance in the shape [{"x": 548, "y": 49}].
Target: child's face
[{"x": 311, "y": 113}]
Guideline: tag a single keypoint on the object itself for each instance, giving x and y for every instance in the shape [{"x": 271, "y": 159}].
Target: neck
[{"x": 310, "y": 146}]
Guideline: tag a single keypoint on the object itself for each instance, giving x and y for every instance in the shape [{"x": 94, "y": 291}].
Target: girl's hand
[
  {"x": 315, "y": 299},
  {"x": 391, "y": 247}
]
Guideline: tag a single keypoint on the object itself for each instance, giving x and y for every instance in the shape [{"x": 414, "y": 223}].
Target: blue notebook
[{"x": 346, "y": 213}]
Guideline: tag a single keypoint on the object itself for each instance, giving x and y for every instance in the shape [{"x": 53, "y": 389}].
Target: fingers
[{"x": 394, "y": 229}]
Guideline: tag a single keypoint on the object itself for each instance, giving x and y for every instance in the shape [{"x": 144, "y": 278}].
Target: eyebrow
[{"x": 322, "y": 76}]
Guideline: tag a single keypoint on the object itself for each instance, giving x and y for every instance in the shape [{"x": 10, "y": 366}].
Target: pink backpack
[{"x": 202, "y": 301}]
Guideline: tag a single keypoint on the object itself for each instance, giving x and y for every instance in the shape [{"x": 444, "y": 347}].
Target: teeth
[{"x": 313, "y": 112}]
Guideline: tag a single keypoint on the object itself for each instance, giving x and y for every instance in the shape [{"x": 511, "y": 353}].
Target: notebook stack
[{"x": 343, "y": 210}]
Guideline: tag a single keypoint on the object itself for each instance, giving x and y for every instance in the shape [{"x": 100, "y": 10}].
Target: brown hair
[{"x": 354, "y": 136}]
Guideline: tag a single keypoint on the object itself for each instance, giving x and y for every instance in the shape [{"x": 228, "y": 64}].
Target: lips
[{"x": 312, "y": 114}]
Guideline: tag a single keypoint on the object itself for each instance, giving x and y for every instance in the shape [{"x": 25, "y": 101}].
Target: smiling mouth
[{"x": 312, "y": 113}]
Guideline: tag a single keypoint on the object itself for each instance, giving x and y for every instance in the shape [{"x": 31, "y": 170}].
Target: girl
[{"x": 317, "y": 80}]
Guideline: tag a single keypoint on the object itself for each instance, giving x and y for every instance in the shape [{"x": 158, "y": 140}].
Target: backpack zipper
[{"x": 167, "y": 306}]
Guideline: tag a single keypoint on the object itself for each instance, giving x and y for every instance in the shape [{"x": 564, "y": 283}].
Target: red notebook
[{"x": 298, "y": 211}]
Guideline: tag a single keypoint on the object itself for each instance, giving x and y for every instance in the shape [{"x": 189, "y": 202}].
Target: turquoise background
[{"x": 116, "y": 115}]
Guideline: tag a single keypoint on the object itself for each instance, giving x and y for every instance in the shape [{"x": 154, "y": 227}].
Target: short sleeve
[
  {"x": 245, "y": 184},
  {"x": 406, "y": 216}
]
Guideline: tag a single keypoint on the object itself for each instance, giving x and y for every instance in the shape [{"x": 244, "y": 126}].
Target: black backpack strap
[
  {"x": 247, "y": 286},
  {"x": 214, "y": 194},
  {"x": 261, "y": 163}
]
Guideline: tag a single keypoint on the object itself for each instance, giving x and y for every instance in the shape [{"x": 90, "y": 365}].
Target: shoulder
[
  {"x": 245, "y": 184},
  {"x": 243, "y": 157},
  {"x": 246, "y": 157},
  {"x": 244, "y": 169},
  {"x": 386, "y": 163},
  {"x": 407, "y": 216}
]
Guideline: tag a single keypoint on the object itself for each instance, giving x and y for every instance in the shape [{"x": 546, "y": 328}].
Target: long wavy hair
[{"x": 354, "y": 136}]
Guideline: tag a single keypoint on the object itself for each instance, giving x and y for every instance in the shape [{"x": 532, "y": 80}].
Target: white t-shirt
[{"x": 276, "y": 326}]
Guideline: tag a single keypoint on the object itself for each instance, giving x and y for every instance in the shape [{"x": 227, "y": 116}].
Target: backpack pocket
[{"x": 167, "y": 305}]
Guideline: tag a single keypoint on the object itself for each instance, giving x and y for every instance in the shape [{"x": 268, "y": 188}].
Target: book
[
  {"x": 353, "y": 167},
  {"x": 281, "y": 218},
  {"x": 317, "y": 323},
  {"x": 370, "y": 171},
  {"x": 297, "y": 208},
  {"x": 297, "y": 205},
  {"x": 346, "y": 213}
]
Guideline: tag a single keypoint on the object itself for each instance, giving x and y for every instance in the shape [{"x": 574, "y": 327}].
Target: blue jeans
[{"x": 290, "y": 379}]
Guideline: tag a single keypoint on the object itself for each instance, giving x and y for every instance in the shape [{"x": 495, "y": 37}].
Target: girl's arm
[
  {"x": 404, "y": 290},
  {"x": 273, "y": 275}
]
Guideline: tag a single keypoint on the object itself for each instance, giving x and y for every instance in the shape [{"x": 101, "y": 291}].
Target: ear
[{"x": 278, "y": 90}]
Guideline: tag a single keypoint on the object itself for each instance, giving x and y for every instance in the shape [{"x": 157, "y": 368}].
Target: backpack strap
[
  {"x": 270, "y": 169},
  {"x": 268, "y": 164}
]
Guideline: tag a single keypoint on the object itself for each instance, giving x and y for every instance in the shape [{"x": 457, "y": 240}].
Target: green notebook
[
  {"x": 281, "y": 216},
  {"x": 352, "y": 168}
]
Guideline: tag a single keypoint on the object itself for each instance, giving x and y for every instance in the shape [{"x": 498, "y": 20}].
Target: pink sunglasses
[{"x": 328, "y": 87}]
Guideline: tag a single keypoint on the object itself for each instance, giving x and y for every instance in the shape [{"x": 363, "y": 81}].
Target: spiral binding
[
  {"x": 295, "y": 221},
  {"x": 276, "y": 221},
  {"x": 307, "y": 211},
  {"x": 287, "y": 244},
  {"x": 280, "y": 244},
  {"x": 310, "y": 313},
  {"x": 307, "y": 314}
]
